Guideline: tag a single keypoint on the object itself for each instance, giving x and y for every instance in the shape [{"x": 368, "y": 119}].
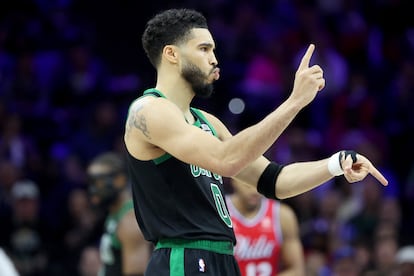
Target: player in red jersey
[{"x": 267, "y": 234}]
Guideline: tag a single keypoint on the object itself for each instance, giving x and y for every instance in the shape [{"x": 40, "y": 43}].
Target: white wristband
[{"x": 334, "y": 166}]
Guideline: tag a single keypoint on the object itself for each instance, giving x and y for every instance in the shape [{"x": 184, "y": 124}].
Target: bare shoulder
[
  {"x": 146, "y": 125},
  {"x": 143, "y": 109}
]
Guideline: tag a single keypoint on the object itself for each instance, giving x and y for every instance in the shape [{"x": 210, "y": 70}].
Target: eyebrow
[{"x": 206, "y": 44}]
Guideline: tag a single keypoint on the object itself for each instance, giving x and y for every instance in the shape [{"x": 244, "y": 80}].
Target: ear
[{"x": 170, "y": 53}]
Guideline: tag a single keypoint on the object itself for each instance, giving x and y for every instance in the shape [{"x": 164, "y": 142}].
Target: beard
[{"x": 198, "y": 80}]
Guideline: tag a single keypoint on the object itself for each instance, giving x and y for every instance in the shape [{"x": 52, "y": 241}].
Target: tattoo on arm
[{"x": 138, "y": 121}]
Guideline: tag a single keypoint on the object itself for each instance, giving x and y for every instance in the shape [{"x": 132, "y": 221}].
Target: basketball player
[
  {"x": 123, "y": 249},
  {"x": 267, "y": 234},
  {"x": 178, "y": 155}
]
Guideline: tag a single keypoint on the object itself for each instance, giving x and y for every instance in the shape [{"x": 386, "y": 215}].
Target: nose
[{"x": 213, "y": 60}]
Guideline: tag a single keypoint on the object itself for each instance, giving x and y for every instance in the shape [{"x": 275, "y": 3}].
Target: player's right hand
[
  {"x": 308, "y": 80},
  {"x": 358, "y": 170}
]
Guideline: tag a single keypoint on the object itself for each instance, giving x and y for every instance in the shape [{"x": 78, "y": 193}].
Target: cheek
[{"x": 200, "y": 61}]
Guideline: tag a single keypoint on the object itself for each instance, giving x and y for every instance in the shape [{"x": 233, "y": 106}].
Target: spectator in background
[
  {"x": 336, "y": 73},
  {"x": 82, "y": 227},
  {"x": 25, "y": 90},
  {"x": 16, "y": 145},
  {"x": 67, "y": 174},
  {"x": 123, "y": 249},
  {"x": 9, "y": 174},
  {"x": 344, "y": 262},
  {"x": 85, "y": 78},
  {"x": 322, "y": 232},
  {"x": 29, "y": 240},
  {"x": 364, "y": 222},
  {"x": 384, "y": 256},
  {"x": 263, "y": 80},
  {"x": 267, "y": 234},
  {"x": 100, "y": 130}
]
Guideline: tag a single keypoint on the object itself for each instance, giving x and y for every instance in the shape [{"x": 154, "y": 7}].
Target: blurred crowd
[{"x": 69, "y": 69}]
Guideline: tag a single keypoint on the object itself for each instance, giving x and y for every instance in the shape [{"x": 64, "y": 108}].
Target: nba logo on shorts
[{"x": 201, "y": 265}]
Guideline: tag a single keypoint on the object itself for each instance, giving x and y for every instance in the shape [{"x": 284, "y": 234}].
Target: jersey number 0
[{"x": 220, "y": 205}]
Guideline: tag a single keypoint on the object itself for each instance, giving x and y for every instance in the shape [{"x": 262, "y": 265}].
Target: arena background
[{"x": 69, "y": 69}]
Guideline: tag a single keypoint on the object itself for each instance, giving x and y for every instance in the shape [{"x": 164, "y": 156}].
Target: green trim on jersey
[
  {"x": 153, "y": 91},
  {"x": 162, "y": 158},
  {"x": 199, "y": 116},
  {"x": 221, "y": 247}
]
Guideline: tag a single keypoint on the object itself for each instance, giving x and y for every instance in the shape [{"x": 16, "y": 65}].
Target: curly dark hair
[{"x": 169, "y": 27}]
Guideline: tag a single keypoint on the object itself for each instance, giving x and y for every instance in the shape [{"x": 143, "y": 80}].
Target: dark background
[{"x": 70, "y": 68}]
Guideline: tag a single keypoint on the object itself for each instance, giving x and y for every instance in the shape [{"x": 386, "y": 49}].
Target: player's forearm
[
  {"x": 301, "y": 177},
  {"x": 254, "y": 141}
]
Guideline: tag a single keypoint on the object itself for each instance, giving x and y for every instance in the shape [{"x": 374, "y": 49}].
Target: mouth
[{"x": 216, "y": 73}]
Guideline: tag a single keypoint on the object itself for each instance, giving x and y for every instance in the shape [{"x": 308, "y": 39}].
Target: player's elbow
[{"x": 228, "y": 168}]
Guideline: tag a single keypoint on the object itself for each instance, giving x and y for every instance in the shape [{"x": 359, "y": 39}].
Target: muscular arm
[
  {"x": 160, "y": 123},
  {"x": 300, "y": 177},
  {"x": 135, "y": 249},
  {"x": 292, "y": 255}
]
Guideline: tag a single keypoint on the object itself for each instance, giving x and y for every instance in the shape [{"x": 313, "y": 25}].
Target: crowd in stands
[{"x": 69, "y": 69}]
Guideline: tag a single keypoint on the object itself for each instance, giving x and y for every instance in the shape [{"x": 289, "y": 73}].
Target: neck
[
  {"x": 181, "y": 95},
  {"x": 175, "y": 88}
]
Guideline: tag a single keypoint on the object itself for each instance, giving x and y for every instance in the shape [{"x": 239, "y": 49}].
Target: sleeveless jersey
[
  {"x": 174, "y": 199},
  {"x": 259, "y": 239},
  {"x": 110, "y": 246}
]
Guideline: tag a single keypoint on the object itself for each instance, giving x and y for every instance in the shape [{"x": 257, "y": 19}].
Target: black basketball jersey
[{"x": 173, "y": 199}]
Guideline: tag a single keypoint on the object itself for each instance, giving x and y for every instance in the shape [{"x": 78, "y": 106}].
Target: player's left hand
[{"x": 357, "y": 170}]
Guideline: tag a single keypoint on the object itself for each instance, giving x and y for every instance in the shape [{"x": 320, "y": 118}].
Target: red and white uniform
[{"x": 259, "y": 239}]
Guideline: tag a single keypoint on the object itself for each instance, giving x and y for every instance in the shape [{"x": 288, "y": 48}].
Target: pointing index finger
[
  {"x": 375, "y": 173},
  {"x": 304, "y": 63}
]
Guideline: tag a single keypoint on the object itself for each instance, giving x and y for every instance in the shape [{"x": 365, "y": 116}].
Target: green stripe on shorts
[
  {"x": 177, "y": 251},
  {"x": 177, "y": 262}
]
